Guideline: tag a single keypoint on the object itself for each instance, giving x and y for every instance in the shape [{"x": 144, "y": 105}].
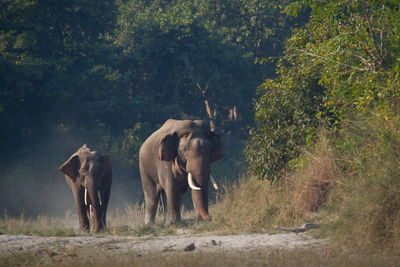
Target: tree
[
  {"x": 341, "y": 64},
  {"x": 51, "y": 56},
  {"x": 196, "y": 53}
]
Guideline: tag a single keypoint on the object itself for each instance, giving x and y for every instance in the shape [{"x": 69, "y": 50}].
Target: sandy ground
[{"x": 15, "y": 244}]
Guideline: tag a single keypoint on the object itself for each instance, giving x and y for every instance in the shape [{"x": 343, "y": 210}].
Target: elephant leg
[
  {"x": 105, "y": 200},
  {"x": 151, "y": 197},
  {"x": 174, "y": 198},
  {"x": 151, "y": 207},
  {"x": 78, "y": 193}
]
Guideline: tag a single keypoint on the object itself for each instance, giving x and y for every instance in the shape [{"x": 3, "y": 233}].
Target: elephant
[
  {"x": 177, "y": 156},
  {"x": 89, "y": 175}
]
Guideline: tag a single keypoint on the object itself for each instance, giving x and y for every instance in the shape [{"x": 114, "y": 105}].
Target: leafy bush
[
  {"x": 286, "y": 116},
  {"x": 343, "y": 63},
  {"x": 252, "y": 205}
]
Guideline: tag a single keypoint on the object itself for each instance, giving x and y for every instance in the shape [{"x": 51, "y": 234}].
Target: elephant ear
[
  {"x": 168, "y": 147},
  {"x": 217, "y": 151},
  {"x": 71, "y": 167}
]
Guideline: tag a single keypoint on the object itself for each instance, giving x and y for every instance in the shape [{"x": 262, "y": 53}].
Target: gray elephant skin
[
  {"x": 89, "y": 175},
  {"x": 175, "y": 157}
]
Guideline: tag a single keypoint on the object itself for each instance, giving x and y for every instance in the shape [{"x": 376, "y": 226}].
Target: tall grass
[
  {"x": 253, "y": 205},
  {"x": 350, "y": 181},
  {"x": 130, "y": 221},
  {"x": 369, "y": 208},
  {"x": 126, "y": 221}
]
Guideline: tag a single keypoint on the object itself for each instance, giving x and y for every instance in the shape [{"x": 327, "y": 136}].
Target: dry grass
[
  {"x": 273, "y": 257},
  {"x": 351, "y": 183},
  {"x": 310, "y": 185},
  {"x": 129, "y": 221},
  {"x": 39, "y": 226},
  {"x": 369, "y": 208},
  {"x": 126, "y": 221},
  {"x": 248, "y": 206},
  {"x": 253, "y": 205}
]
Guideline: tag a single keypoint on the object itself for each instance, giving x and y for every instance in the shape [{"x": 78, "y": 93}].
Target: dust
[{"x": 32, "y": 185}]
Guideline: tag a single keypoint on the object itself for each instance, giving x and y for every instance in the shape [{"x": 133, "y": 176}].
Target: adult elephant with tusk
[
  {"x": 89, "y": 175},
  {"x": 176, "y": 156}
]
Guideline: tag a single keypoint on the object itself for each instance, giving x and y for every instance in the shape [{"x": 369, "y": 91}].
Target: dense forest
[
  {"x": 113, "y": 71},
  {"x": 305, "y": 94},
  {"x": 109, "y": 73},
  {"x": 277, "y": 79}
]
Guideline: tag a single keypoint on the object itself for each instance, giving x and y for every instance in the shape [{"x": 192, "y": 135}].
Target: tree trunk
[
  {"x": 233, "y": 114},
  {"x": 210, "y": 113}
]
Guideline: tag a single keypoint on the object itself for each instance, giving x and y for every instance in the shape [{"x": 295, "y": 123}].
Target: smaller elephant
[{"x": 89, "y": 175}]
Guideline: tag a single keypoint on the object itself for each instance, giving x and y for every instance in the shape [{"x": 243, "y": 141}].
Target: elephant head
[
  {"x": 192, "y": 147},
  {"x": 87, "y": 169}
]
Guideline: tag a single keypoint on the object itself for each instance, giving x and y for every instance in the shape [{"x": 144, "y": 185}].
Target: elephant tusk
[
  {"x": 191, "y": 183},
  {"x": 101, "y": 203},
  {"x": 85, "y": 197},
  {"x": 214, "y": 183}
]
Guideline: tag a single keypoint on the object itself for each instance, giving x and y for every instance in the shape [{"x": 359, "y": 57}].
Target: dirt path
[{"x": 146, "y": 244}]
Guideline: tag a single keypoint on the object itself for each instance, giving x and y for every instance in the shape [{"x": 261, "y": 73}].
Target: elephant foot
[
  {"x": 200, "y": 219},
  {"x": 174, "y": 219},
  {"x": 149, "y": 219},
  {"x": 99, "y": 230},
  {"x": 85, "y": 228}
]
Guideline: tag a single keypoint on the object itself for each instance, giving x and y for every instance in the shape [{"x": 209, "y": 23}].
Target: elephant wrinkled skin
[
  {"x": 89, "y": 175},
  {"x": 176, "y": 156}
]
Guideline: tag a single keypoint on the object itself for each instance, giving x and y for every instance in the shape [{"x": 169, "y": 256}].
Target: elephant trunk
[
  {"x": 200, "y": 202},
  {"x": 198, "y": 168},
  {"x": 200, "y": 195},
  {"x": 95, "y": 207}
]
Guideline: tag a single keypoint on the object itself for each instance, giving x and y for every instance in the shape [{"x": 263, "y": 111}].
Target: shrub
[
  {"x": 369, "y": 210},
  {"x": 252, "y": 205}
]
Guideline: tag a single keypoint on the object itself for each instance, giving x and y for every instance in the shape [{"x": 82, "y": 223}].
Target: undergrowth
[
  {"x": 128, "y": 221},
  {"x": 349, "y": 181},
  {"x": 253, "y": 205},
  {"x": 39, "y": 226},
  {"x": 368, "y": 200}
]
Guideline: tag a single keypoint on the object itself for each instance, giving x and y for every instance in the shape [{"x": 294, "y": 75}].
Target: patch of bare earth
[{"x": 166, "y": 244}]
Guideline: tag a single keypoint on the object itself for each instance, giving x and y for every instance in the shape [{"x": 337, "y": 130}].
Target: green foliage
[
  {"x": 108, "y": 73},
  {"x": 356, "y": 44},
  {"x": 285, "y": 114},
  {"x": 49, "y": 55},
  {"x": 98, "y": 68},
  {"x": 349, "y": 181},
  {"x": 133, "y": 139},
  {"x": 181, "y": 54},
  {"x": 342, "y": 63}
]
